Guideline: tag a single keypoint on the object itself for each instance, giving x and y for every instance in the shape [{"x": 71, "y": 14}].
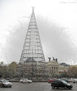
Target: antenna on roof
[{"x": 32, "y": 9}]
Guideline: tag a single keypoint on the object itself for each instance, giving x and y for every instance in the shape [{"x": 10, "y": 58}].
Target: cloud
[
  {"x": 14, "y": 44},
  {"x": 54, "y": 39},
  {"x": 57, "y": 41}
]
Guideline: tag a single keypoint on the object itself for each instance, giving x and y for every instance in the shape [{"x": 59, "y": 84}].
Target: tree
[
  {"x": 12, "y": 69},
  {"x": 72, "y": 71}
]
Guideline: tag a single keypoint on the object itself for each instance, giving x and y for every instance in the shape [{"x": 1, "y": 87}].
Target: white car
[
  {"x": 73, "y": 80},
  {"x": 25, "y": 80},
  {"x": 5, "y": 83}
]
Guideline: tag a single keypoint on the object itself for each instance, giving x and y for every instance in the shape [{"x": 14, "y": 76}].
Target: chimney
[
  {"x": 53, "y": 58},
  {"x": 49, "y": 59},
  {"x": 56, "y": 59}
]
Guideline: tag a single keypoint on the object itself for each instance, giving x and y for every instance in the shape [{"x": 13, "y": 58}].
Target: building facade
[{"x": 52, "y": 68}]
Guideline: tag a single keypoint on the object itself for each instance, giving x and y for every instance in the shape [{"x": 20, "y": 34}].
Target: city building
[
  {"x": 52, "y": 68},
  {"x": 63, "y": 67}
]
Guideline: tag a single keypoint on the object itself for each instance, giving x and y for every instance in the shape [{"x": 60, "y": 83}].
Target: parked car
[
  {"x": 25, "y": 80},
  {"x": 50, "y": 80},
  {"x": 73, "y": 80},
  {"x": 61, "y": 84},
  {"x": 5, "y": 83},
  {"x": 14, "y": 80}
]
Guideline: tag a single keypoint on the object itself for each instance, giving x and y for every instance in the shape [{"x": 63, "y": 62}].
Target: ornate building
[{"x": 52, "y": 68}]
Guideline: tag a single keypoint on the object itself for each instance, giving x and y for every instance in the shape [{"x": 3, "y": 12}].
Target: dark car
[
  {"x": 65, "y": 80},
  {"x": 5, "y": 83},
  {"x": 61, "y": 84}
]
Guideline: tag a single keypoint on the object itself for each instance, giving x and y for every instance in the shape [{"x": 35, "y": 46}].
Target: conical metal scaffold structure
[{"x": 32, "y": 48}]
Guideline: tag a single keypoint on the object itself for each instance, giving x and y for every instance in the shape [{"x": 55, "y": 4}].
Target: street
[{"x": 37, "y": 86}]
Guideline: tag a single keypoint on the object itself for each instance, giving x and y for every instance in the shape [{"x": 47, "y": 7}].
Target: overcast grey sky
[{"x": 56, "y": 20}]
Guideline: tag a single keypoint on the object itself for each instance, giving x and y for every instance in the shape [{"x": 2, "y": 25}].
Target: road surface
[{"x": 35, "y": 86}]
